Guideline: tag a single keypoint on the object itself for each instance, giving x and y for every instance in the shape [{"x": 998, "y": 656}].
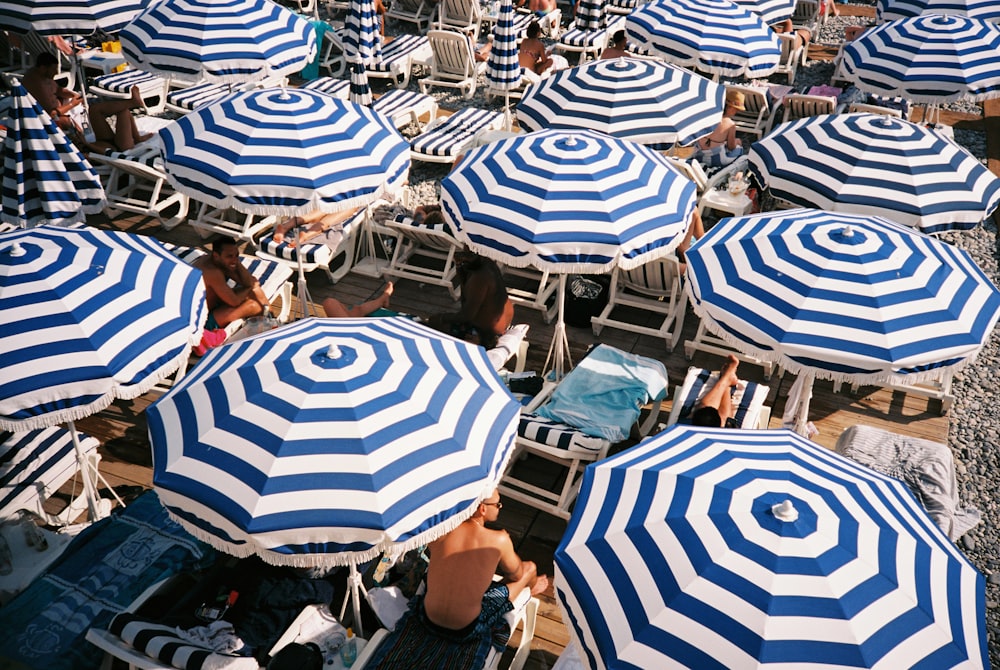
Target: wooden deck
[{"x": 126, "y": 454}]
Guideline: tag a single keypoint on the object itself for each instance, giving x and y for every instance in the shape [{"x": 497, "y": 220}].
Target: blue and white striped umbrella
[
  {"x": 227, "y": 41},
  {"x": 503, "y": 70},
  {"x": 641, "y": 100},
  {"x": 842, "y": 297},
  {"x": 890, "y": 10},
  {"x": 770, "y": 11},
  {"x": 872, "y": 164},
  {"x": 591, "y": 15},
  {"x": 715, "y": 548},
  {"x": 932, "y": 58},
  {"x": 88, "y": 316},
  {"x": 327, "y": 441},
  {"x": 46, "y": 179},
  {"x": 68, "y": 17},
  {"x": 718, "y": 37},
  {"x": 361, "y": 36},
  {"x": 285, "y": 151},
  {"x": 567, "y": 201}
]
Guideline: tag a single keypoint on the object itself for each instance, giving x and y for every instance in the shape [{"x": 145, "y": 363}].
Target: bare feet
[
  {"x": 290, "y": 223},
  {"x": 727, "y": 375},
  {"x": 541, "y": 584},
  {"x": 383, "y": 300},
  {"x": 137, "y": 98}
]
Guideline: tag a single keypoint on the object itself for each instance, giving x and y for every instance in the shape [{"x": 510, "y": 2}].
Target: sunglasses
[{"x": 498, "y": 505}]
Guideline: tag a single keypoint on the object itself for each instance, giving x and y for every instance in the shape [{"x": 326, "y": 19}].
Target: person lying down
[{"x": 316, "y": 227}]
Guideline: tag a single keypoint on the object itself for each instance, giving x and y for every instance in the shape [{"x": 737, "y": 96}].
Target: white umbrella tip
[
  {"x": 848, "y": 231},
  {"x": 14, "y": 250},
  {"x": 333, "y": 352},
  {"x": 785, "y": 511}
]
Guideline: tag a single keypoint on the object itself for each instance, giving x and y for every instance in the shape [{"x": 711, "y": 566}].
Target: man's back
[{"x": 462, "y": 566}]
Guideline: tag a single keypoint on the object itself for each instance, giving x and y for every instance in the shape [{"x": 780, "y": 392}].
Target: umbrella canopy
[
  {"x": 872, "y": 164},
  {"x": 715, "y": 548},
  {"x": 284, "y": 151},
  {"x": 843, "y": 297},
  {"x": 641, "y": 100},
  {"x": 503, "y": 70},
  {"x": 68, "y": 17},
  {"x": 227, "y": 41},
  {"x": 932, "y": 59},
  {"x": 327, "y": 441},
  {"x": 88, "y": 316},
  {"x": 46, "y": 179},
  {"x": 770, "y": 11},
  {"x": 362, "y": 47},
  {"x": 890, "y": 10},
  {"x": 719, "y": 37},
  {"x": 568, "y": 201}
]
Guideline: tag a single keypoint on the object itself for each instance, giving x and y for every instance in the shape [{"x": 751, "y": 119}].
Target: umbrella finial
[
  {"x": 785, "y": 511},
  {"x": 15, "y": 250},
  {"x": 333, "y": 352},
  {"x": 848, "y": 231}
]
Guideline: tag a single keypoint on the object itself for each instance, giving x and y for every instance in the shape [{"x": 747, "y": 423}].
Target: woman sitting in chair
[{"x": 721, "y": 147}]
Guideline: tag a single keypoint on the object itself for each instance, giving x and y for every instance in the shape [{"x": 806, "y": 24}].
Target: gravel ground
[{"x": 975, "y": 431}]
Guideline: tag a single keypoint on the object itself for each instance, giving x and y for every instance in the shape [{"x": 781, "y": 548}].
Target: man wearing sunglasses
[{"x": 463, "y": 605}]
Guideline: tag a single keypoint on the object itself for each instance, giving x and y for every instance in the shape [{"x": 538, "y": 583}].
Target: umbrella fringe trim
[
  {"x": 528, "y": 261},
  {"x": 118, "y": 393},
  {"x": 312, "y": 205},
  {"x": 877, "y": 379}
]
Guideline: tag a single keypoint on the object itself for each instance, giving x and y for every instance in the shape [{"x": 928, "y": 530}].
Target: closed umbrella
[
  {"x": 503, "y": 69},
  {"x": 770, "y": 11},
  {"x": 591, "y": 15},
  {"x": 46, "y": 179},
  {"x": 715, "y": 548},
  {"x": 645, "y": 101},
  {"x": 362, "y": 46},
  {"x": 843, "y": 297},
  {"x": 718, "y": 37},
  {"x": 226, "y": 41},
  {"x": 567, "y": 201},
  {"x": 328, "y": 441},
  {"x": 872, "y": 164}
]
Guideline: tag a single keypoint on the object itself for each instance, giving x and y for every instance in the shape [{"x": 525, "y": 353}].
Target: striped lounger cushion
[
  {"x": 442, "y": 227},
  {"x": 747, "y": 401},
  {"x": 398, "y": 102},
  {"x": 583, "y": 39},
  {"x": 314, "y": 253},
  {"x": 452, "y": 136},
  {"x": 122, "y": 82},
  {"x": 337, "y": 88},
  {"x": 397, "y": 53},
  {"x": 559, "y": 435},
  {"x": 34, "y": 464},
  {"x": 193, "y": 97},
  {"x": 164, "y": 644}
]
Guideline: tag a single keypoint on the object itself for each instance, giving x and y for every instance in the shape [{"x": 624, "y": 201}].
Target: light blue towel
[{"x": 602, "y": 396}]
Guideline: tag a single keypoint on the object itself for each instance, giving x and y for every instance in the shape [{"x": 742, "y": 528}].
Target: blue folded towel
[{"x": 602, "y": 396}]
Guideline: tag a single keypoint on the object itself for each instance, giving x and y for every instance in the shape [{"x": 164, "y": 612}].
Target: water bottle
[
  {"x": 32, "y": 535},
  {"x": 349, "y": 650}
]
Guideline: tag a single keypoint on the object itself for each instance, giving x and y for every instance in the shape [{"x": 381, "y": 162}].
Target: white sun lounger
[
  {"x": 446, "y": 137},
  {"x": 317, "y": 254},
  {"x": 748, "y": 402},
  {"x": 398, "y": 58},
  {"x": 136, "y": 182}
]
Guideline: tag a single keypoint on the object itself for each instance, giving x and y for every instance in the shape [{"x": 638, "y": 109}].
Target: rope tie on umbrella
[{"x": 785, "y": 511}]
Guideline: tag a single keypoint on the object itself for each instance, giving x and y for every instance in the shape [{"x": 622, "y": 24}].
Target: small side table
[
  {"x": 105, "y": 61},
  {"x": 724, "y": 201}
]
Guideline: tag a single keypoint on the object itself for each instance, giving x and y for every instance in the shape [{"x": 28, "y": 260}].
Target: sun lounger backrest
[
  {"x": 450, "y": 137},
  {"x": 338, "y": 88}
]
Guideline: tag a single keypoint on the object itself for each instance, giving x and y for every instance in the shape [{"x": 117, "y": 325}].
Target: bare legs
[
  {"x": 125, "y": 134},
  {"x": 719, "y": 395},
  {"x": 335, "y": 308}
]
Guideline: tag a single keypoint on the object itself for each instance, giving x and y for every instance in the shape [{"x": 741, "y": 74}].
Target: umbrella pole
[
  {"x": 305, "y": 299},
  {"x": 367, "y": 265},
  {"x": 800, "y": 393},
  {"x": 354, "y": 591},
  {"x": 559, "y": 349},
  {"x": 91, "y": 477}
]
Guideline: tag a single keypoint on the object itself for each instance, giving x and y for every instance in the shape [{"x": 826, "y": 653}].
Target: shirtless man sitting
[
  {"x": 715, "y": 408},
  {"x": 462, "y": 602},
  {"x": 618, "y": 46},
  {"x": 40, "y": 82},
  {"x": 226, "y": 304},
  {"x": 486, "y": 311}
]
